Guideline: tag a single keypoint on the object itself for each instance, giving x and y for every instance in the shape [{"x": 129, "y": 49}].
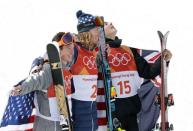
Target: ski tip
[
  {"x": 163, "y": 37},
  {"x": 160, "y": 33},
  {"x": 167, "y": 33},
  {"x": 53, "y": 45},
  {"x": 50, "y": 44}
]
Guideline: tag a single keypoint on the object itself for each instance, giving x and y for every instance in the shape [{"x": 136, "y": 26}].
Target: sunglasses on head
[
  {"x": 99, "y": 21},
  {"x": 66, "y": 39}
]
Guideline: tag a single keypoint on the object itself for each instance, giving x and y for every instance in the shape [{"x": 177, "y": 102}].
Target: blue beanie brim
[
  {"x": 86, "y": 22},
  {"x": 85, "y": 27}
]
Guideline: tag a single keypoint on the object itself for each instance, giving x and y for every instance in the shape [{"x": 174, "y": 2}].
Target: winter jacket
[
  {"x": 84, "y": 73},
  {"x": 47, "y": 114}
]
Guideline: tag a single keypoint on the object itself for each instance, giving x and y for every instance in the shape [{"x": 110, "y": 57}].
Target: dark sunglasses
[{"x": 66, "y": 39}]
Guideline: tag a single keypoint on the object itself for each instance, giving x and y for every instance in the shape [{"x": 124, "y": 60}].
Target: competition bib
[
  {"x": 85, "y": 87},
  {"x": 126, "y": 83}
]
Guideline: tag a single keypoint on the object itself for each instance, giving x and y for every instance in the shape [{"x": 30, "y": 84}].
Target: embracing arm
[
  {"x": 144, "y": 69},
  {"x": 37, "y": 81}
]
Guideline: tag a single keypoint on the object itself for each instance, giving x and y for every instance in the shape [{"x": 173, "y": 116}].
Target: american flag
[
  {"x": 150, "y": 56},
  {"x": 18, "y": 115}
]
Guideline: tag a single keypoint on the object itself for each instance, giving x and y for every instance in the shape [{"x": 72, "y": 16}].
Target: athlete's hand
[
  {"x": 167, "y": 55},
  {"x": 16, "y": 90}
]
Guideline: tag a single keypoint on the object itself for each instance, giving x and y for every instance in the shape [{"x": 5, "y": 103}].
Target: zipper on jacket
[{"x": 92, "y": 117}]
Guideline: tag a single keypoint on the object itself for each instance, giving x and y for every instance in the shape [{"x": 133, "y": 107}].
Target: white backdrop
[{"x": 26, "y": 26}]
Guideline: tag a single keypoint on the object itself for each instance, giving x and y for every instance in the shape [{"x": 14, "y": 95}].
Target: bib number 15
[{"x": 124, "y": 87}]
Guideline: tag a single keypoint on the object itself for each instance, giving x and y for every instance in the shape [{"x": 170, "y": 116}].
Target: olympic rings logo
[
  {"x": 119, "y": 59},
  {"x": 90, "y": 62}
]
